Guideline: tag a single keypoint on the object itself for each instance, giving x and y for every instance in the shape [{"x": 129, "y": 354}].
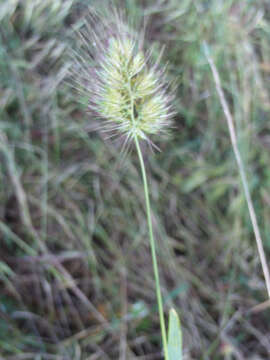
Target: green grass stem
[
  {"x": 150, "y": 229},
  {"x": 153, "y": 249}
]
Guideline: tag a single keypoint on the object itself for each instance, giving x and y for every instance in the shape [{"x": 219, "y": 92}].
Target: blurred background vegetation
[{"x": 76, "y": 277}]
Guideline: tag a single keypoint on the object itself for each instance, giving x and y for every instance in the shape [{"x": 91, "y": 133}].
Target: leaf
[
  {"x": 174, "y": 337},
  {"x": 194, "y": 181}
]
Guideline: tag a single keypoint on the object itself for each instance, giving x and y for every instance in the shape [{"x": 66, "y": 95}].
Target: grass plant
[{"x": 130, "y": 96}]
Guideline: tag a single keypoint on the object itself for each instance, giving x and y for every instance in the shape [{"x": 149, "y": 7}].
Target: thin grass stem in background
[{"x": 240, "y": 165}]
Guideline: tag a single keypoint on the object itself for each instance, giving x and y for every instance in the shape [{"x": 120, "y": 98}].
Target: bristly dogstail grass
[
  {"x": 126, "y": 83},
  {"x": 117, "y": 76},
  {"x": 130, "y": 93}
]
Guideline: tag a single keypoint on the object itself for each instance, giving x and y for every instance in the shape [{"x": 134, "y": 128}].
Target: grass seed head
[{"x": 124, "y": 86}]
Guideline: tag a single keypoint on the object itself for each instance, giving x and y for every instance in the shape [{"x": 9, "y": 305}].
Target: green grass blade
[{"x": 174, "y": 337}]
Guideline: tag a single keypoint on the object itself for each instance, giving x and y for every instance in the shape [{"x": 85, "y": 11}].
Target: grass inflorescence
[
  {"x": 122, "y": 77},
  {"x": 132, "y": 99}
]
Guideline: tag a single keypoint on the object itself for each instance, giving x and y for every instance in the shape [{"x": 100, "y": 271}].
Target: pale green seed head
[
  {"x": 125, "y": 89},
  {"x": 131, "y": 94}
]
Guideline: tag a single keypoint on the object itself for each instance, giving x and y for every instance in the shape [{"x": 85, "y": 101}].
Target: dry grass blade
[{"x": 240, "y": 165}]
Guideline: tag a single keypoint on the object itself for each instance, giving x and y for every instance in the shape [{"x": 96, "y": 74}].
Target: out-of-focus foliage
[{"x": 75, "y": 272}]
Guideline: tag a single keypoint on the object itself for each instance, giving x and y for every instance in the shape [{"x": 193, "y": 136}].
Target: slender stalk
[
  {"x": 150, "y": 227},
  {"x": 153, "y": 249}
]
